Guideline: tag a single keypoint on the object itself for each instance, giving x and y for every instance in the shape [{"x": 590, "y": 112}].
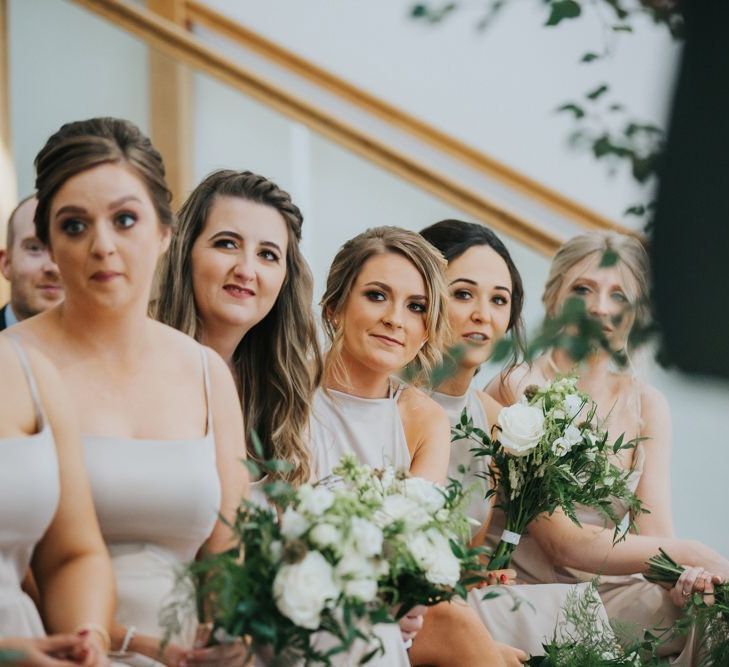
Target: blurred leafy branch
[{"x": 602, "y": 124}]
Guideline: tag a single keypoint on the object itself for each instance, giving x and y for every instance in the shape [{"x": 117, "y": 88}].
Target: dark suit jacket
[{"x": 3, "y": 323}]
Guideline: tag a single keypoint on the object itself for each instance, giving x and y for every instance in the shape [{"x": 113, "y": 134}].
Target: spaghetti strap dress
[
  {"x": 157, "y": 502},
  {"x": 29, "y": 494},
  {"x": 372, "y": 431},
  {"x": 539, "y": 614}
]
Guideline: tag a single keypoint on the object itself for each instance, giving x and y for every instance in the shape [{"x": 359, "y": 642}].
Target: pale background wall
[{"x": 495, "y": 90}]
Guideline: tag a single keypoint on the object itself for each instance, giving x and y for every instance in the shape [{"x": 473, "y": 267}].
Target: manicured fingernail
[
  {"x": 504, "y": 578},
  {"x": 83, "y": 632}
]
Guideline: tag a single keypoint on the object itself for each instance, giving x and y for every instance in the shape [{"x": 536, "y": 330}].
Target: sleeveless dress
[
  {"x": 633, "y": 603},
  {"x": 541, "y": 612},
  {"x": 29, "y": 494},
  {"x": 371, "y": 430},
  {"x": 157, "y": 502}
]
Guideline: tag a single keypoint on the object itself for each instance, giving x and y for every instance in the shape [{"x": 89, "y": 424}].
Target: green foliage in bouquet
[
  {"x": 543, "y": 459},
  {"x": 712, "y": 620},
  {"x": 590, "y": 644},
  {"x": 314, "y": 570}
]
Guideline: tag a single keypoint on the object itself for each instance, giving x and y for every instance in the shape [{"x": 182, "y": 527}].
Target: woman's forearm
[
  {"x": 591, "y": 548},
  {"x": 80, "y": 592}
]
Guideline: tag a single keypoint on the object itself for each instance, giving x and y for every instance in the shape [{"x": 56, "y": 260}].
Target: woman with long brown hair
[{"x": 234, "y": 278}]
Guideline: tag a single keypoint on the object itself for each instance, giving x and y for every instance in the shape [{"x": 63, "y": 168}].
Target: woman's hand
[
  {"x": 695, "y": 580},
  {"x": 228, "y": 654},
  {"x": 498, "y": 578},
  {"x": 92, "y": 651},
  {"x": 513, "y": 657},
  {"x": 412, "y": 623},
  {"x": 53, "y": 651}
]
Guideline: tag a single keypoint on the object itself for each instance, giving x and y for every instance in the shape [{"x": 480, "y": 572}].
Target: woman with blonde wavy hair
[
  {"x": 609, "y": 273},
  {"x": 234, "y": 279},
  {"x": 385, "y": 308}
]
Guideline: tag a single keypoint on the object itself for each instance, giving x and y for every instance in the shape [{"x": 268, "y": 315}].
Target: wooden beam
[
  {"x": 8, "y": 182},
  {"x": 190, "y": 50},
  {"x": 170, "y": 106}
]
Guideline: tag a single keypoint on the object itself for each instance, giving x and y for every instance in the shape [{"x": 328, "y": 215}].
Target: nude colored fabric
[
  {"x": 371, "y": 430},
  {"x": 157, "y": 502},
  {"x": 29, "y": 495}
]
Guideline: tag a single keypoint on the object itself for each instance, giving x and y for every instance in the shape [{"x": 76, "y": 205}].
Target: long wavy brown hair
[{"x": 277, "y": 363}]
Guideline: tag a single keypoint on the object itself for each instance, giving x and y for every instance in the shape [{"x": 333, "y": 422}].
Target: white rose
[
  {"x": 432, "y": 551},
  {"x": 572, "y": 436},
  {"x": 560, "y": 446},
  {"x": 364, "y": 590},
  {"x": 353, "y": 565},
  {"x": 399, "y": 508},
  {"x": 425, "y": 493},
  {"x": 573, "y": 405},
  {"x": 366, "y": 536},
  {"x": 521, "y": 428},
  {"x": 293, "y": 524},
  {"x": 325, "y": 535},
  {"x": 276, "y": 549},
  {"x": 302, "y": 590},
  {"x": 315, "y": 499}
]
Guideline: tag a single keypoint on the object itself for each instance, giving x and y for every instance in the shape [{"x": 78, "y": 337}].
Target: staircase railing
[{"x": 178, "y": 43}]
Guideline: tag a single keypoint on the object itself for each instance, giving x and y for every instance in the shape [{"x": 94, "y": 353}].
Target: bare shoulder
[
  {"x": 419, "y": 408},
  {"x": 15, "y": 396},
  {"x": 40, "y": 331},
  {"x": 654, "y": 406},
  {"x": 506, "y": 388},
  {"x": 491, "y": 407}
]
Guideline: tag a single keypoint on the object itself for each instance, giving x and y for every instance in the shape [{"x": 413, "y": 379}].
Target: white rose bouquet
[
  {"x": 543, "y": 458},
  {"x": 357, "y": 549}
]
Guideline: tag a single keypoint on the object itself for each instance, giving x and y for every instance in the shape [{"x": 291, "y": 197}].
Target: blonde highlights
[{"x": 344, "y": 271}]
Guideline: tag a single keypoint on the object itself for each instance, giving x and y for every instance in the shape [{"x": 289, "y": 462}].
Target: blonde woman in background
[
  {"x": 384, "y": 308},
  {"x": 160, "y": 420},
  {"x": 47, "y": 522},
  {"x": 555, "y": 549}
]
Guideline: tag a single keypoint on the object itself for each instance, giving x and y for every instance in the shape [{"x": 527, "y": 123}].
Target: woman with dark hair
[
  {"x": 485, "y": 299},
  {"x": 160, "y": 419},
  {"x": 234, "y": 278}
]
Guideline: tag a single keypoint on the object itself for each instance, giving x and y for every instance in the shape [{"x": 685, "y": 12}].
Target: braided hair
[{"x": 277, "y": 365}]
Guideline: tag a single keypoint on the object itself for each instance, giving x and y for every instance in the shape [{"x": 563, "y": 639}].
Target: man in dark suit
[{"x": 35, "y": 284}]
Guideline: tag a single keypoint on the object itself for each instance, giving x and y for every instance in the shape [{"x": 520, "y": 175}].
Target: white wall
[
  {"x": 495, "y": 90},
  {"x": 66, "y": 64}
]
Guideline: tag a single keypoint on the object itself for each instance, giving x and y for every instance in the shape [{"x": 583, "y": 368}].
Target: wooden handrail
[
  {"x": 178, "y": 43},
  {"x": 200, "y": 14}
]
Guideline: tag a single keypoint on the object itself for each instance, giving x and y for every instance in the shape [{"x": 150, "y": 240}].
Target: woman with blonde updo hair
[
  {"x": 384, "y": 308},
  {"x": 609, "y": 273}
]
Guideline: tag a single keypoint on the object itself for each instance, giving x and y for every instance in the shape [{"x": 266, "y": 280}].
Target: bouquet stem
[{"x": 501, "y": 558}]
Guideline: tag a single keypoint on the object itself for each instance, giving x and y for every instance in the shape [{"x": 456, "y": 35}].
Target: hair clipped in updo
[{"x": 86, "y": 144}]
